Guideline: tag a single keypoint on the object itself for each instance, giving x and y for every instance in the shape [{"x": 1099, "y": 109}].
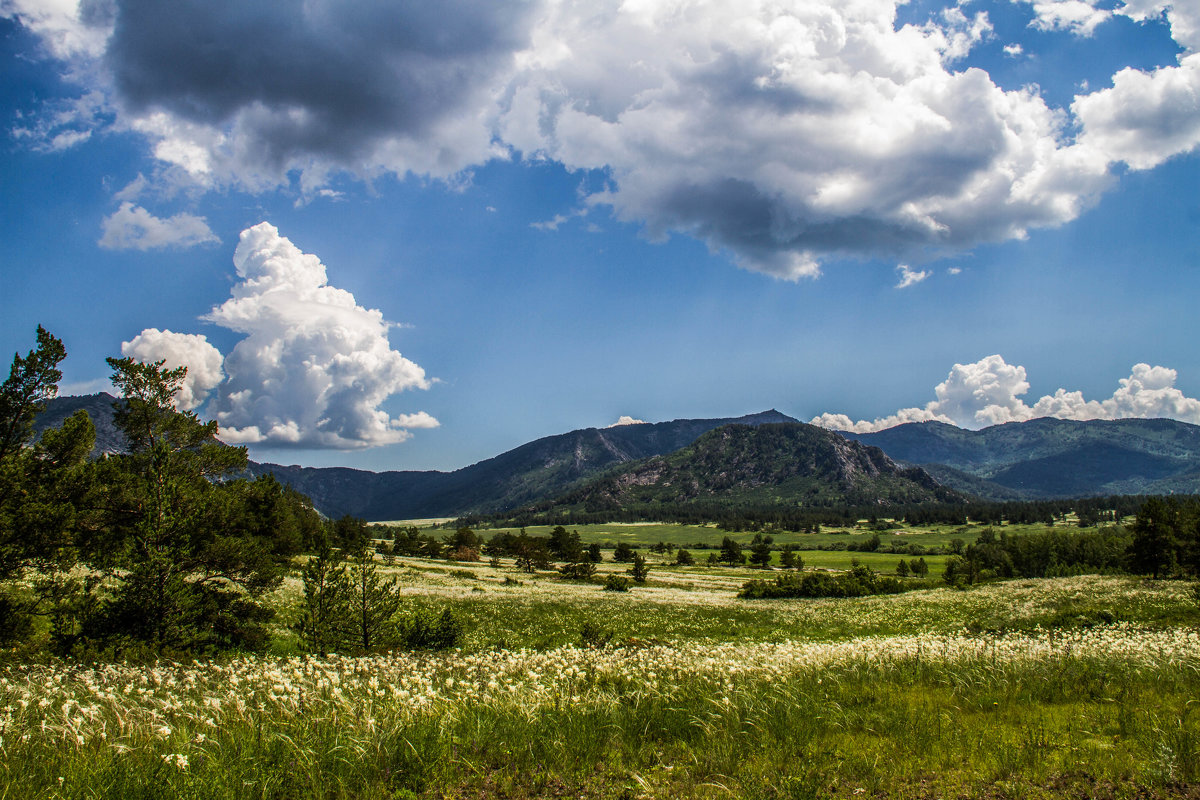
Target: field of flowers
[{"x": 1074, "y": 687}]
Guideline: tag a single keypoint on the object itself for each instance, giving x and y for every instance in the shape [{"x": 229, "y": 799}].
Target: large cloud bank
[
  {"x": 314, "y": 366},
  {"x": 989, "y": 392},
  {"x": 784, "y": 134}
]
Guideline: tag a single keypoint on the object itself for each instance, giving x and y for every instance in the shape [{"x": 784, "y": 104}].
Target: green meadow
[{"x": 1046, "y": 688}]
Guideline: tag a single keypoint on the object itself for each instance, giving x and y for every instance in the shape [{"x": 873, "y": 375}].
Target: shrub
[
  {"x": 424, "y": 631},
  {"x": 616, "y": 583},
  {"x": 579, "y": 571}
]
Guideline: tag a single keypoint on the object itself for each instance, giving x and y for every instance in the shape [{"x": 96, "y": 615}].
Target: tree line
[{"x": 811, "y": 518}]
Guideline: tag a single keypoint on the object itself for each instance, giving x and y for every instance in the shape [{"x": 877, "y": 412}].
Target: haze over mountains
[{"x": 787, "y": 461}]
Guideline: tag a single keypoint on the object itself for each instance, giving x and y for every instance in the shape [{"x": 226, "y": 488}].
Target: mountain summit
[{"x": 775, "y": 464}]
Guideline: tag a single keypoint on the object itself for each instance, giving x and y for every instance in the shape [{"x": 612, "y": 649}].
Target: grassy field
[
  {"x": 643, "y": 535},
  {"x": 1057, "y": 688}
]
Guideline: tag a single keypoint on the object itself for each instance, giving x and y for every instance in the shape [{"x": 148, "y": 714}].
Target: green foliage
[
  {"x": 425, "y": 630},
  {"x": 578, "y": 571},
  {"x": 616, "y": 583},
  {"x": 860, "y": 581},
  {"x": 639, "y": 570},
  {"x": 593, "y": 636},
  {"x": 372, "y": 602},
  {"x": 731, "y": 552},
  {"x": 623, "y": 553},
  {"x": 1166, "y": 538},
  {"x": 32, "y": 381},
  {"x": 760, "y": 551},
  {"x": 325, "y": 599},
  {"x": 187, "y": 556},
  {"x": 684, "y": 558}
]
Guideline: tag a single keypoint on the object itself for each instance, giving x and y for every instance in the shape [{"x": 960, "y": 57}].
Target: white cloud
[
  {"x": 203, "y": 361},
  {"x": 315, "y": 366},
  {"x": 625, "y": 419},
  {"x": 988, "y": 392},
  {"x": 1145, "y": 117},
  {"x": 134, "y": 228},
  {"x": 68, "y": 28},
  {"x": 954, "y": 270},
  {"x": 1080, "y": 17},
  {"x": 909, "y": 277},
  {"x": 1014, "y": 50},
  {"x": 781, "y": 134}
]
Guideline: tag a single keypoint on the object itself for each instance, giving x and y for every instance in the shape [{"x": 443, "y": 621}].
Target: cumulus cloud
[
  {"x": 203, "y": 361},
  {"x": 782, "y": 135},
  {"x": 989, "y": 392},
  {"x": 1081, "y": 17},
  {"x": 909, "y": 277},
  {"x": 625, "y": 419},
  {"x": 132, "y": 227},
  {"x": 315, "y": 366}
]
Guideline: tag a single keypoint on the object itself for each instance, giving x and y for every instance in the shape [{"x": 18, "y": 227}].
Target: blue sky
[{"x": 526, "y": 218}]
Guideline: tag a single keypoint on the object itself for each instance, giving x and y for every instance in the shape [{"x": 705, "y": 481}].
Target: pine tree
[
  {"x": 189, "y": 563},
  {"x": 639, "y": 570},
  {"x": 326, "y": 590},
  {"x": 372, "y": 602}
]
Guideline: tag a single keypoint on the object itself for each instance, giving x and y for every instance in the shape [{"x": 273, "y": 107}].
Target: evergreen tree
[
  {"x": 639, "y": 570},
  {"x": 326, "y": 590},
  {"x": 372, "y": 602},
  {"x": 44, "y": 490},
  {"x": 1155, "y": 547},
  {"x": 188, "y": 573},
  {"x": 731, "y": 552},
  {"x": 760, "y": 551}
]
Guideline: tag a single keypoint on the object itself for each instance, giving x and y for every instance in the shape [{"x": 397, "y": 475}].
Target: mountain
[
  {"x": 785, "y": 464},
  {"x": 99, "y": 407},
  {"x": 533, "y": 471},
  {"x": 1020, "y": 460},
  {"x": 1051, "y": 457}
]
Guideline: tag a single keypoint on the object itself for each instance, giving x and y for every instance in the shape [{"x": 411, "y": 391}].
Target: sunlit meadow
[{"x": 1061, "y": 687}]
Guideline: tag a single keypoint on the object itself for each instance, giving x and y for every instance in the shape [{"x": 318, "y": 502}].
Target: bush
[
  {"x": 579, "y": 571},
  {"x": 858, "y": 582},
  {"x": 616, "y": 583},
  {"x": 424, "y": 631},
  {"x": 594, "y": 637}
]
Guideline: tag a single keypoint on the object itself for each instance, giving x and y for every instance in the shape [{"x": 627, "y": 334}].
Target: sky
[{"x": 414, "y": 236}]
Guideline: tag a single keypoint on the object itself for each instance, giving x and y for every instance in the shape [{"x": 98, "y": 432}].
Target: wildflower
[{"x": 178, "y": 759}]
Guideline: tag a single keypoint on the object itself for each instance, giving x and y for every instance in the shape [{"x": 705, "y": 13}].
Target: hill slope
[
  {"x": 1052, "y": 457},
  {"x": 776, "y": 465},
  {"x": 531, "y": 472}
]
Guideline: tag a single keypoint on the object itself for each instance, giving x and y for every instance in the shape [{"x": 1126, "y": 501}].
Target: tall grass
[{"x": 961, "y": 714}]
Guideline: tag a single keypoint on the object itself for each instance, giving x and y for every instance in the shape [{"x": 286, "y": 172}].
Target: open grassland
[
  {"x": 1068, "y": 687},
  {"x": 645, "y": 534}
]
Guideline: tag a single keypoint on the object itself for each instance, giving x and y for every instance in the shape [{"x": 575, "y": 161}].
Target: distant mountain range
[
  {"x": 1049, "y": 457},
  {"x": 788, "y": 463}
]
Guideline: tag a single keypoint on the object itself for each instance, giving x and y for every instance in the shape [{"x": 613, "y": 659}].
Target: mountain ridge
[
  {"x": 1048, "y": 457},
  {"x": 770, "y": 465},
  {"x": 1036, "y": 459}
]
